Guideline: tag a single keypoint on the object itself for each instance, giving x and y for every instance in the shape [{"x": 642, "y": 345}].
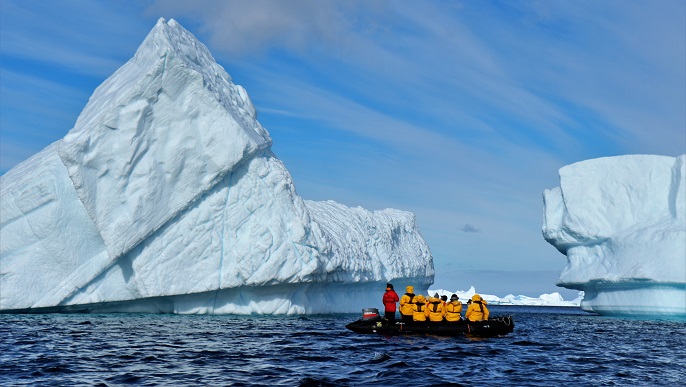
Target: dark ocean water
[{"x": 549, "y": 347}]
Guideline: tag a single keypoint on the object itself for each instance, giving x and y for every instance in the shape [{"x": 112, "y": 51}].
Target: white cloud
[
  {"x": 73, "y": 34},
  {"x": 242, "y": 27}
]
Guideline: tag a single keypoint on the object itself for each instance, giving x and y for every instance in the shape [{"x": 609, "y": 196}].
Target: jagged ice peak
[{"x": 166, "y": 197}]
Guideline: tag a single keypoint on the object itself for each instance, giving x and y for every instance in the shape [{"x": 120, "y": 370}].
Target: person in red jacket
[{"x": 389, "y": 300}]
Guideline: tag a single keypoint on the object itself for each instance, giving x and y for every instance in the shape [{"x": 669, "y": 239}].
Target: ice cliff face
[
  {"x": 166, "y": 197},
  {"x": 621, "y": 221}
]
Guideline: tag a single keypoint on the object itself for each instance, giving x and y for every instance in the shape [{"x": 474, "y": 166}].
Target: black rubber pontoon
[{"x": 373, "y": 323}]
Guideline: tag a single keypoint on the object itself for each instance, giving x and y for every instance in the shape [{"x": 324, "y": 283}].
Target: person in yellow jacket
[
  {"x": 477, "y": 310},
  {"x": 435, "y": 309},
  {"x": 406, "y": 303},
  {"x": 453, "y": 309},
  {"x": 419, "y": 309}
]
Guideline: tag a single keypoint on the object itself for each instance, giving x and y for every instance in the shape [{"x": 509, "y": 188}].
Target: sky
[{"x": 461, "y": 112}]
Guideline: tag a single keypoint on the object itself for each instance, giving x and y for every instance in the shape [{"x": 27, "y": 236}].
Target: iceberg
[
  {"x": 165, "y": 197},
  {"x": 621, "y": 222},
  {"x": 551, "y": 299}
]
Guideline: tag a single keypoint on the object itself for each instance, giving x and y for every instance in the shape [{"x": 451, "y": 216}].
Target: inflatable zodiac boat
[{"x": 372, "y": 322}]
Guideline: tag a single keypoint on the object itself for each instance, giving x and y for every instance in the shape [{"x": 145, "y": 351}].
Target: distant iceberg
[
  {"x": 166, "y": 197},
  {"x": 621, "y": 222},
  {"x": 552, "y": 299}
]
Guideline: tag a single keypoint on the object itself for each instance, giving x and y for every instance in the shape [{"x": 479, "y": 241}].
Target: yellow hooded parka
[
  {"x": 477, "y": 310},
  {"x": 406, "y": 302},
  {"x": 453, "y": 311},
  {"x": 435, "y": 309},
  {"x": 419, "y": 309}
]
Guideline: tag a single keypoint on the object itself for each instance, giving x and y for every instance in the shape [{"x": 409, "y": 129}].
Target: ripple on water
[{"x": 548, "y": 347}]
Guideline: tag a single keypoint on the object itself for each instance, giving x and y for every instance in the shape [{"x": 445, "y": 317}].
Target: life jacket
[
  {"x": 419, "y": 312},
  {"x": 435, "y": 310},
  {"x": 406, "y": 303},
  {"x": 452, "y": 311},
  {"x": 484, "y": 309},
  {"x": 477, "y": 315}
]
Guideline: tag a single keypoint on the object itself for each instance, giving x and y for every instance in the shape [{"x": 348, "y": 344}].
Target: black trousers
[{"x": 390, "y": 316}]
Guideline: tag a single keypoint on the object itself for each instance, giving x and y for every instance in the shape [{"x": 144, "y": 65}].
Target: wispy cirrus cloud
[
  {"x": 72, "y": 34},
  {"x": 461, "y": 112}
]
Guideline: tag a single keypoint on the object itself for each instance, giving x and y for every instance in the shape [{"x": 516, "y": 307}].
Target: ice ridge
[{"x": 166, "y": 197}]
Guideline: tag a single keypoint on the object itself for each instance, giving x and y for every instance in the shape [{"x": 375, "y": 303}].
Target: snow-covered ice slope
[
  {"x": 621, "y": 221},
  {"x": 166, "y": 197}
]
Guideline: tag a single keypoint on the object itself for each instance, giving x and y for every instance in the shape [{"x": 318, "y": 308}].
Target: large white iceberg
[
  {"x": 621, "y": 222},
  {"x": 166, "y": 197}
]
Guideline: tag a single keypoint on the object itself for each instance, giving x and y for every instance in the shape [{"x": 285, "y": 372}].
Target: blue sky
[{"x": 461, "y": 112}]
